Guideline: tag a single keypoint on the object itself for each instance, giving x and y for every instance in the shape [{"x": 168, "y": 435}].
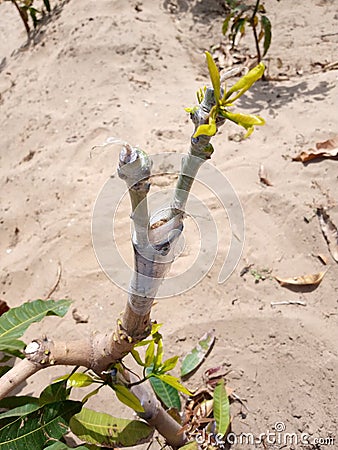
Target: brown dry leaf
[
  {"x": 204, "y": 409},
  {"x": 263, "y": 177},
  {"x": 326, "y": 149},
  {"x": 3, "y": 307},
  {"x": 330, "y": 232},
  {"x": 330, "y": 144},
  {"x": 305, "y": 280}
]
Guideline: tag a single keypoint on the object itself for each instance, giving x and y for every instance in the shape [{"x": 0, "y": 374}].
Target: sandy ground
[{"x": 128, "y": 69}]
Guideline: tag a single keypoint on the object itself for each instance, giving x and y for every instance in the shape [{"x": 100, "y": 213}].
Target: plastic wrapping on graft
[
  {"x": 140, "y": 305},
  {"x": 134, "y": 165}
]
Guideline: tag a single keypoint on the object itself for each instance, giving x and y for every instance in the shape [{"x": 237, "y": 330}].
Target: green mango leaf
[
  {"x": 156, "y": 327},
  {"x": 21, "y": 411},
  {"x": 137, "y": 357},
  {"x": 127, "y": 397},
  {"x": 169, "y": 364},
  {"x": 221, "y": 408},
  {"x": 77, "y": 380},
  {"x": 166, "y": 393},
  {"x": 266, "y": 26},
  {"x": 32, "y": 12},
  {"x": 143, "y": 343},
  {"x": 56, "y": 391},
  {"x": 209, "y": 129},
  {"x": 238, "y": 26},
  {"x": 244, "y": 83},
  {"x": 226, "y": 22},
  {"x": 61, "y": 446},
  {"x": 197, "y": 355},
  {"x": 12, "y": 346},
  {"x": 172, "y": 381},
  {"x": 35, "y": 429},
  {"x": 14, "y": 402},
  {"x": 47, "y": 5},
  {"x": 150, "y": 353},
  {"x": 159, "y": 353},
  {"x": 214, "y": 76},
  {"x": 103, "y": 429},
  {"x": 15, "y": 322}
]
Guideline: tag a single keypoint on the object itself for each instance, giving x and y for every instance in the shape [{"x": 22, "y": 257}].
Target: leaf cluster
[
  {"x": 226, "y": 98},
  {"x": 42, "y": 422},
  {"x": 154, "y": 366}
]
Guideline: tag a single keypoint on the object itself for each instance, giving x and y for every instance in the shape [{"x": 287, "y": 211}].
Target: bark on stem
[
  {"x": 153, "y": 243},
  {"x": 199, "y": 152},
  {"x": 94, "y": 354},
  {"x": 17, "y": 375}
]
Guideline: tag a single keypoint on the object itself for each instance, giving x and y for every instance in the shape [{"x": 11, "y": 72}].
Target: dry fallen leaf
[
  {"x": 263, "y": 177},
  {"x": 326, "y": 149},
  {"x": 330, "y": 144},
  {"x": 330, "y": 232},
  {"x": 305, "y": 280},
  {"x": 3, "y": 307}
]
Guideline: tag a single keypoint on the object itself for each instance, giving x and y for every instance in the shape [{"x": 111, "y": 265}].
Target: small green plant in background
[
  {"x": 241, "y": 14},
  {"x": 29, "y": 14}
]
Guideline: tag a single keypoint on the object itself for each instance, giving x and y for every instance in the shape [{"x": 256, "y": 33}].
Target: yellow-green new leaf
[
  {"x": 200, "y": 94},
  {"x": 137, "y": 357},
  {"x": 174, "y": 382},
  {"x": 159, "y": 354},
  {"x": 209, "y": 129},
  {"x": 77, "y": 380},
  {"x": 214, "y": 76},
  {"x": 156, "y": 327},
  {"x": 191, "y": 110},
  {"x": 169, "y": 364},
  {"x": 245, "y": 82},
  {"x": 247, "y": 121},
  {"x": 150, "y": 353},
  {"x": 127, "y": 397}
]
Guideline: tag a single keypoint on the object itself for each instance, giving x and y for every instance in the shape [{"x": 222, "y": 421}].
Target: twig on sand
[
  {"x": 288, "y": 302},
  {"x": 58, "y": 278}
]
